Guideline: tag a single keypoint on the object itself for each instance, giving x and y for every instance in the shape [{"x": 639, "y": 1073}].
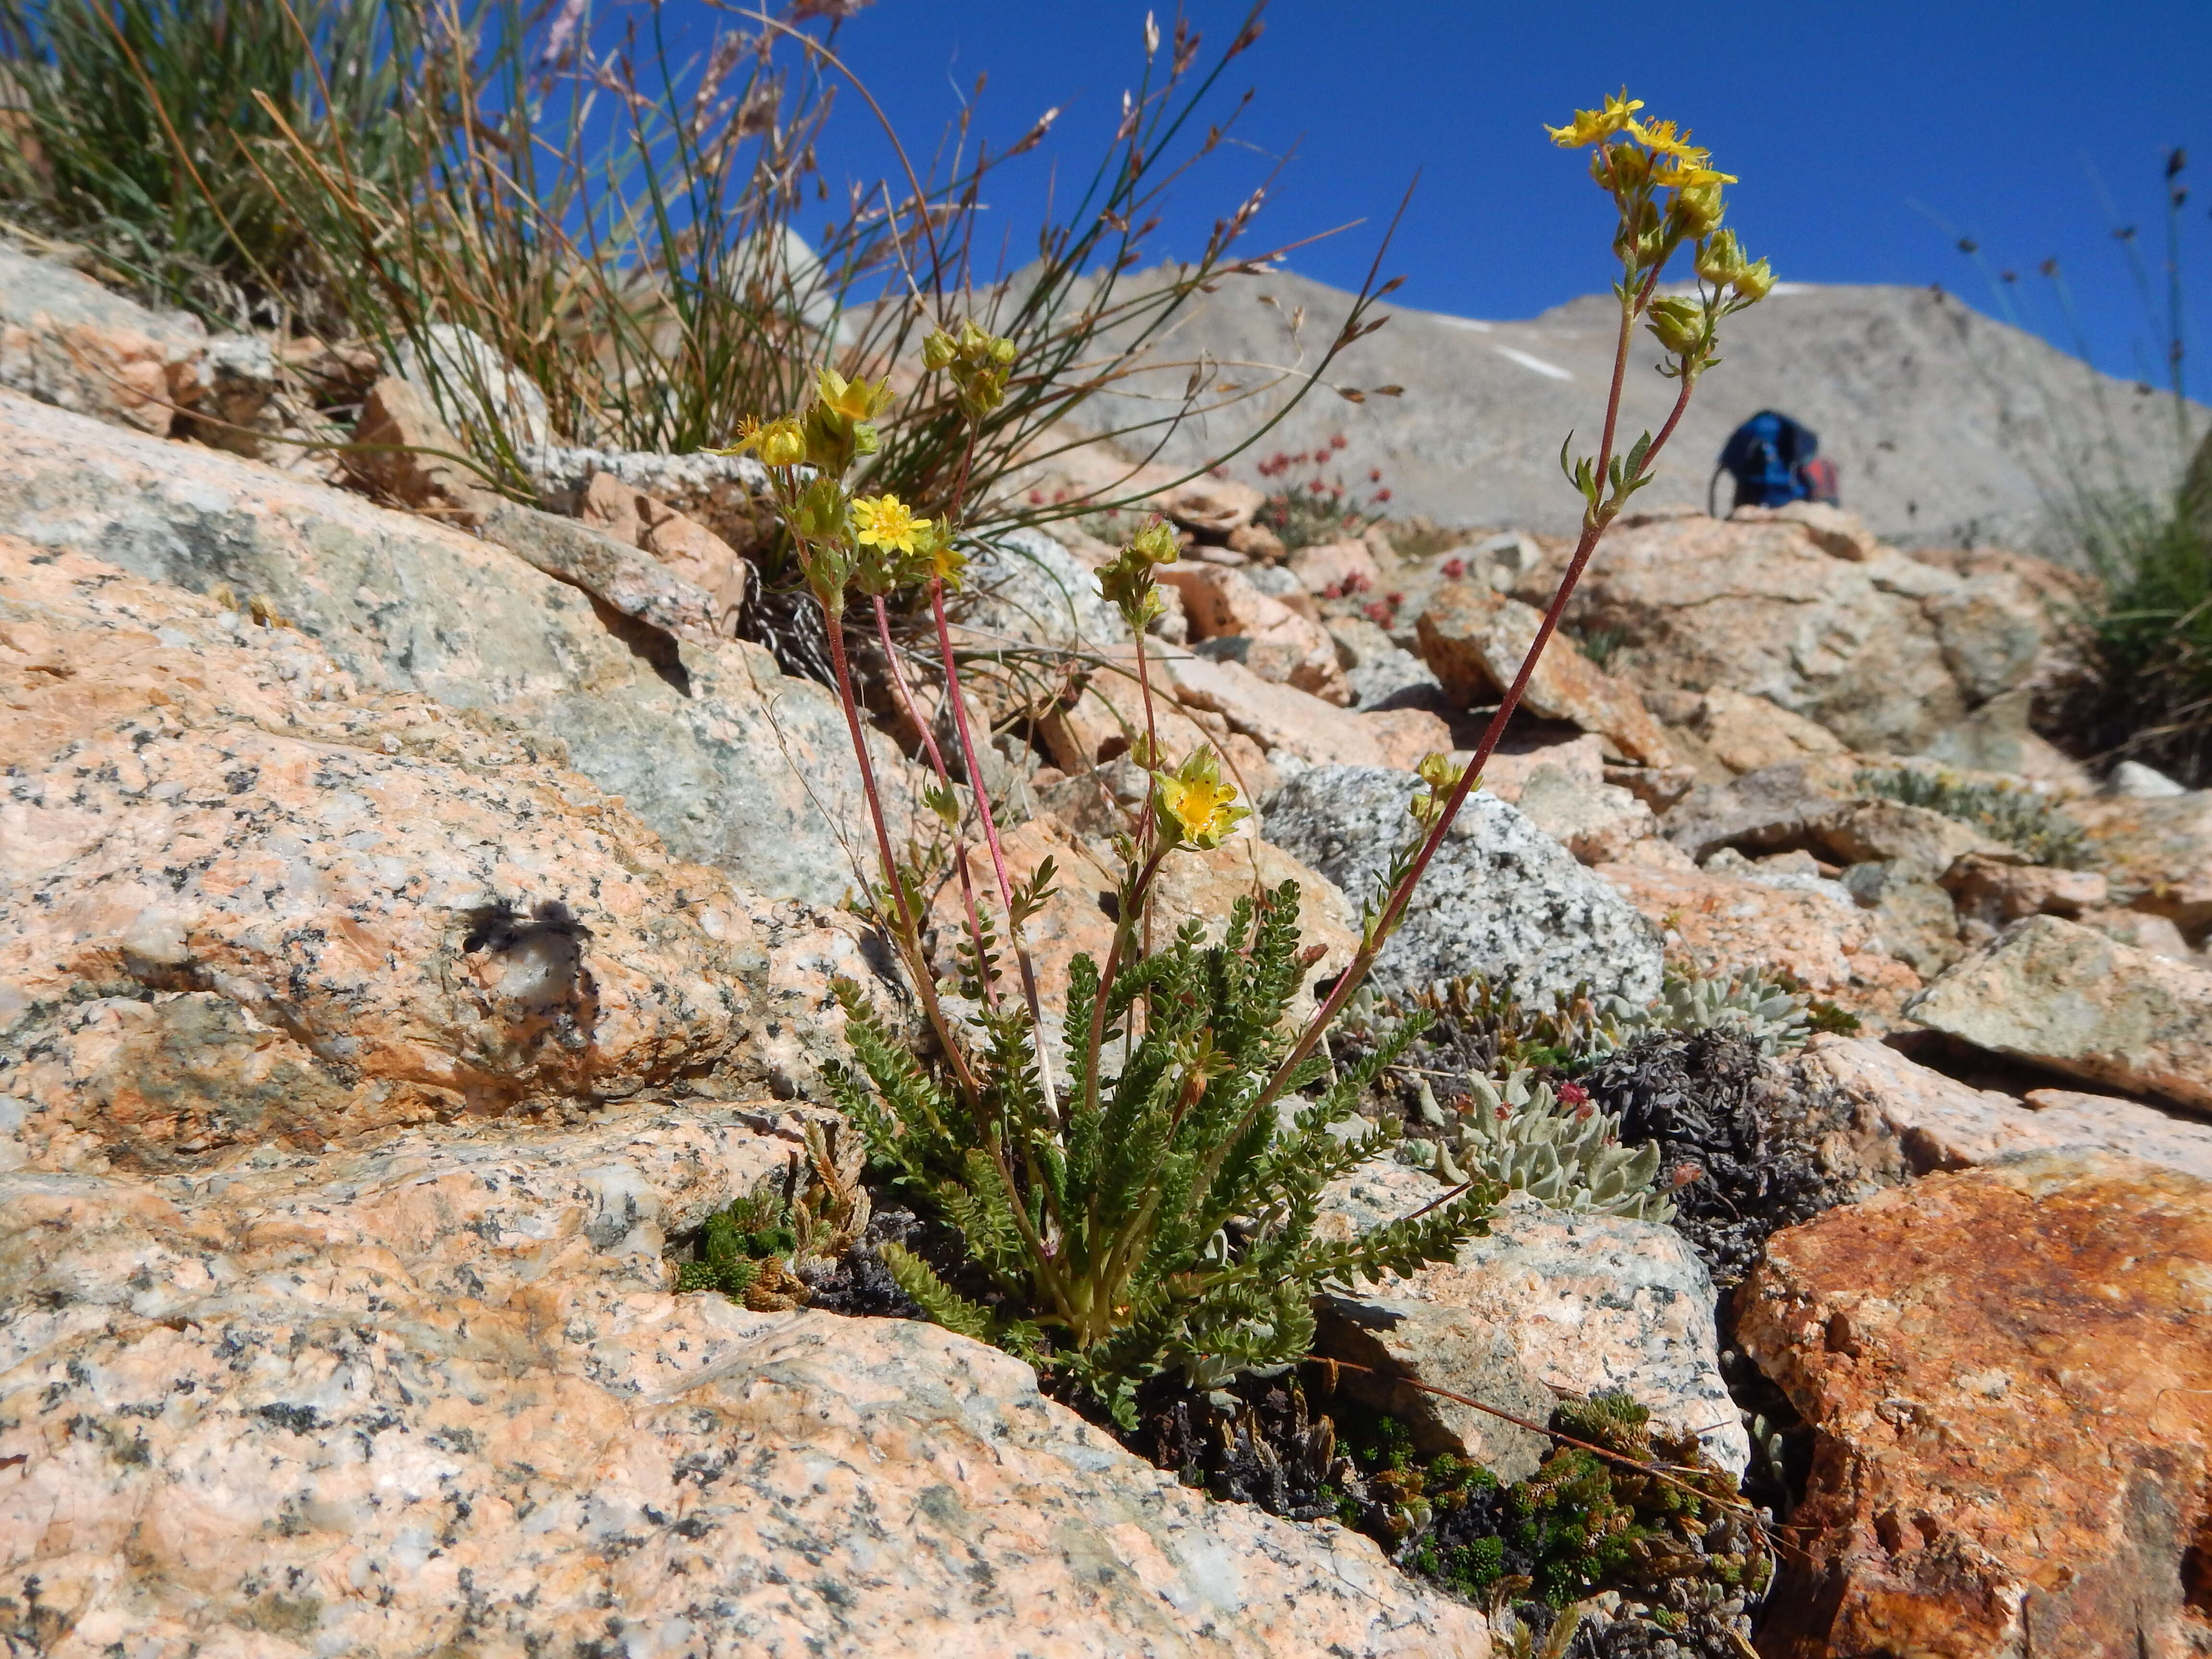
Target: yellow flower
[
  {"x": 1660, "y": 138},
  {"x": 855, "y": 400},
  {"x": 1682, "y": 175},
  {"x": 781, "y": 442},
  {"x": 1199, "y": 807},
  {"x": 1590, "y": 125},
  {"x": 934, "y": 547},
  {"x": 885, "y": 522}
]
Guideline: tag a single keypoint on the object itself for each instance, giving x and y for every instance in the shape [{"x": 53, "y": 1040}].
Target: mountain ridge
[{"x": 1948, "y": 427}]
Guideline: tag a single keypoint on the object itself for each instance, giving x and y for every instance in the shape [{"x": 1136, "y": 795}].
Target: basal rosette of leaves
[{"x": 1167, "y": 1216}]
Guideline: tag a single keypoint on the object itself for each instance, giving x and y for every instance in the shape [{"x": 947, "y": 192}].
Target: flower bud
[
  {"x": 938, "y": 350},
  {"x": 1438, "y": 770},
  {"x": 1721, "y": 257},
  {"x": 832, "y": 441},
  {"x": 822, "y": 512},
  {"x": 1754, "y": 282},
  {"x": 1697, "y": 209},
  {"x": 1621, "y": 167},
  {"x": 1679, "y": 323},
  {"x": 1155, "y": 543}
]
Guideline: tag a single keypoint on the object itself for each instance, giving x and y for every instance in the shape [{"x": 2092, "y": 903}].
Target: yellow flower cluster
[{"x": 1634, "y": 160}]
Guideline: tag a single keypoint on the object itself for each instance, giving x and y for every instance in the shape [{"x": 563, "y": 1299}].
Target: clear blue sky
[{"x": 1838, "y": 118}]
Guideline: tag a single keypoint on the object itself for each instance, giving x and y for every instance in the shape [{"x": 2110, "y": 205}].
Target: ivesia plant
[{"x": 1136, "y": 1176}]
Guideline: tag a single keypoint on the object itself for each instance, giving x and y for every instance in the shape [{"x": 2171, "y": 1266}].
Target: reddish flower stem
[
  {"x": 910, "y": 928},
  {"x": 1594, "y": 523},
  {"x": 982, "y": 798},
  {"x": 944, "y": 777}
]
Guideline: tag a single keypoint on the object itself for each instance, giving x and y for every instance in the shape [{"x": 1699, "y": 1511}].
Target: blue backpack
[{"x": 1770, "y": 456}]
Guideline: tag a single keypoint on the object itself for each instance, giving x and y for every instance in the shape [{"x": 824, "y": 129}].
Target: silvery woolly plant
[
  {"x": 1552, "y": 1143},
  {"x": 1150, "y": 1200}
]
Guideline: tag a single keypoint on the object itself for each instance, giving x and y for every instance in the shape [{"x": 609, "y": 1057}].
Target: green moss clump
[
  {"x": 737, "y": 1244},
  {"x": 1579, "y": 1526}
]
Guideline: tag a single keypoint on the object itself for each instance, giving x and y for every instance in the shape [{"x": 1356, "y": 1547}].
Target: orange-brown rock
[
  {"x": 1475, "y": 640},
  {"x": 1285, "y": 646},
  {"x": 67, "y": 341},
  {"x": 1744, "y": 732},
  {"x": 1335, "y": 567},
  {"x": 685, "y": 546},
  {"x": 404, "y": 451},
  {"x": 1805, "y": 928},
  {"x": 2009, "y": 1376},
  {"x": 1105, "y": 715}
]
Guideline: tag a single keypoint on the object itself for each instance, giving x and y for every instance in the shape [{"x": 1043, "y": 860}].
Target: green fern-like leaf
[{"x": 945, "y": 1305}]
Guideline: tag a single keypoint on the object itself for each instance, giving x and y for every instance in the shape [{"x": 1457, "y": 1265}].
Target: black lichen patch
[
  {"x": 1750, "y": 1128},
  {"x": 1257, "y": 1442}
]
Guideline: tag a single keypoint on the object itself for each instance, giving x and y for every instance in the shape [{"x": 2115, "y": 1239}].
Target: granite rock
[
  {"x": 731, "y": 761},
  {"x": 1501, "y": 897},
  {"x": 2059, "y": 994},
  {"x": 246, "y": 903},
  {"x": 436, "y": 1396}
]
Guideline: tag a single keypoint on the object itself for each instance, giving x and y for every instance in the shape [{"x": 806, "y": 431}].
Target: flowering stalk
[
  {"x": 1667, "y": 196},
  {"x": 909, "y": 928},
  {"x": 944, "y": 781},
  {"x": 979, "y": 364}
]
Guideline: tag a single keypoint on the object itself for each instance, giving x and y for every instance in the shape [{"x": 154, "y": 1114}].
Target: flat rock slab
[
  {"x": 2009, "y": 1375},
  {"x": 1882, "y": 650},
  {"x": 2158, "y": 851},
  {"x": 1283, "y": 717},
  {"x": 1579, "y": 1303},
  {"x": 242, "y": 900},
  {"x": 732, "y": 762},
  {"x": 1911, "y": 1119},
  {"x": 2069, "y": 997},
  {"x": 436, "y": 1397}
]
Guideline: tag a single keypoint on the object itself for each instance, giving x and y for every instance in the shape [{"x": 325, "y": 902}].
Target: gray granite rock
[
  {"x": 1580, "y": 1301},
  {"x": 1024, "y": 588},
  {"x": 434, "y": 1396},
  {"x": 1501, "y": 897},
  {"x": 734, "y": 763},
  {"x": 2066, "y": 996}
]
